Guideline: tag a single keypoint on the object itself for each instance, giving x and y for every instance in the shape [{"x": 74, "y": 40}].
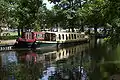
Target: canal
[{"x": 87, "y": 61}]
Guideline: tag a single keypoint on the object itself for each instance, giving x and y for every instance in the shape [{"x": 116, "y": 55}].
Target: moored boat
[{"x": 50, "y": 39}]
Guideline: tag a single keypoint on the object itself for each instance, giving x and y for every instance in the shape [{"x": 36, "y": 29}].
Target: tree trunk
[
  {"x": 104, "y": 31},
  {"x": 22, "y": 30},
  {"x": 72, "y": 29},
  {"x": 82, "y": 28},
  {"x": 18, "y": 31},
  {"x": 95, "y": 30}
]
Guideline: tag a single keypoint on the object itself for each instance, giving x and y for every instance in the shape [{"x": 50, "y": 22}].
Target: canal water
[{"x": 87, "y": 61}]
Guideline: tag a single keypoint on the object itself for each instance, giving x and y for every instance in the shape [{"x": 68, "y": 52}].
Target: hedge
[{"x": 8, "y": 37}]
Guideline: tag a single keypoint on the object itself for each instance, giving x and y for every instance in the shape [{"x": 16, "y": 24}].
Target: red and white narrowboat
[{"x": 50, "y": 39}]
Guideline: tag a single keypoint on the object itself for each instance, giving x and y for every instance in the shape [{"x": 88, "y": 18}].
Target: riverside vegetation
[{"x": 33, "y": 14}]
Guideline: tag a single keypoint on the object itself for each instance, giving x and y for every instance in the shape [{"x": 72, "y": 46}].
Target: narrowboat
[{"x": 50, "y": 39}]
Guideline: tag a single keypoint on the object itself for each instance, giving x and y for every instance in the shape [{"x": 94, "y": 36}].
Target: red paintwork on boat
[
  {"x": 29, "y": 56},
  {"x": 33, "y": 37},
  {"x": 34, "y": 33},
  {"x": 25, "y": 40}
]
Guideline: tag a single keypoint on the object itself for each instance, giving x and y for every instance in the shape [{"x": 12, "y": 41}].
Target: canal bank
[{"x": 7, "y": 42}]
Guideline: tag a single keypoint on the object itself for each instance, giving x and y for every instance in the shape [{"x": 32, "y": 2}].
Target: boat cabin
[
  {"x": 50, "y": 36},
  {"x": 36, "y": 36}
]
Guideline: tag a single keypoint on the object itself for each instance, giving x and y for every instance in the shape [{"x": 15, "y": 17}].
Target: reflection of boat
[
  {"x": 8, "y": 58},
  {"x": 29, "y": 57},
  {"x": 49, "y": 39},
  {"x": 65, "y": 73},
  {"x": 50, "y": 70},
  {"x": 63, "y": 53},
  {"x": 54, "y": 55}
]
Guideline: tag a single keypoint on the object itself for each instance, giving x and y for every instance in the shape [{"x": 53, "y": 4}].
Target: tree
[
  {"x": 65, "y": 13},
  {"x": 24, "y": 14},
  {"x": 3, "y": 14},
  {"x": 92, "y": 13}
]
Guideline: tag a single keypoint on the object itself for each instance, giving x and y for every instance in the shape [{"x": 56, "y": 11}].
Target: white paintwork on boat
[
  {"x": 63, "y": 37},
  {"x": 47, "y": 41}
]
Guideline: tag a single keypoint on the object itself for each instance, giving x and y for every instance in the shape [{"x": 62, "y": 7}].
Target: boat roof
[
  {"x": 60, "y": 32},
  {"x": 65, "y": 32}
]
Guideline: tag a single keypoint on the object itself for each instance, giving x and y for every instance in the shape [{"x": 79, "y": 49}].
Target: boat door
[{"x": 50, "y": 37}]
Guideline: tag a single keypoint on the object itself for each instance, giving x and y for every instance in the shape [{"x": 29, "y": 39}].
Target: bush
[{"x": 8, "y": 37}]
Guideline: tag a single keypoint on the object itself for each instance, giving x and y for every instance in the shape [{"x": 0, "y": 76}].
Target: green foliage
[
  {"x": 65, "y": 13},
  {"x": 27, "y": 12},
  {"x": 37, "y": 27},
  {"x": 22, "y": 13}
]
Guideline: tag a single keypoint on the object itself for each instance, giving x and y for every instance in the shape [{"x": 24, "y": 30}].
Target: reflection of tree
[
  {"x": 96, "y": 55},
  {"x": 29, "y": 68},
  {"x": 75, "y": 66},
  {"x": 111, "y": 64},
  {"x": 23, "y": 72},
  {"x": 103, "y": 62}
]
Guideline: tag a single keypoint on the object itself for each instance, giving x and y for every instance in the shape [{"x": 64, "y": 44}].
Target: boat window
[
  {"x": 53, "y": 36},
  {"x": 28, "y": 35},
  {"x": 69, "y": 36},
  {"x": 72, "y": 36},
  {"x": 70, "y": 51},
  {"x": 66, "y": 51},
  {"x": 59, "y": 36},
  {"x": 47, "y": 37},
  {"x": 39, "y": 35},
  {"x": 63, "y": 36},
  {"x": 66, "y": 37},
  {"x": 75, "y": 36}
]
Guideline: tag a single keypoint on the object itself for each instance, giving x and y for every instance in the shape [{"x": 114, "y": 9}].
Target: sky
[{"x": 48, "y": 4}]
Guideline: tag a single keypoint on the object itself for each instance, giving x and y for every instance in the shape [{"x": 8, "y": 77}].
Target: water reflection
[
  {"x": 8, "y": 58},
  {"x": 81, "y": 62},
  {"x": 8, "y": 63},
  {"x": 59, "y": 58},
  {"x": 55, "y": 65}
]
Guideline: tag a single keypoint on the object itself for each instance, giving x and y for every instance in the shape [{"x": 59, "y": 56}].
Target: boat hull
[
  {"x": 56, "y": 44},
  {"x": 48, "y": 44},
  {"x": 22, "y": 44}
]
